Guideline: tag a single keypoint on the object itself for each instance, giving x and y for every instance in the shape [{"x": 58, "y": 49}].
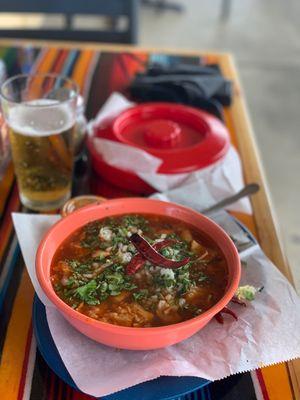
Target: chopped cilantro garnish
[
  {"x": 183, "y": 279},
  {"x": 165, "y": 278},
  {"x": 87, "y": 293},
  {"x": 135, "y": 220},
  {"x": 77, "y": 266},
  {"x": 140, "y": 295}
]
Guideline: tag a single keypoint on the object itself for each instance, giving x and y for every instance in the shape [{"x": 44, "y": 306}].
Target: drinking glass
[{"x": 40, "y": 112}]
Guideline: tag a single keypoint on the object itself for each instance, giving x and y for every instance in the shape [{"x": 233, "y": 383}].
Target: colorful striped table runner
[{"x": 23, "y": 372}]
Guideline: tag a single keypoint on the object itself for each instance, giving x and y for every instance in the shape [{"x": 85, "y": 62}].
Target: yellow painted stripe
[
  {"x": 277, "y": 382},
  {"x": 15, "y": 342},
  {"x": 81, "y": 67}
]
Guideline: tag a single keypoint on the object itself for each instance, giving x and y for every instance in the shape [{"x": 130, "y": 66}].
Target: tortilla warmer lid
[{"x": 184, "y": 138}]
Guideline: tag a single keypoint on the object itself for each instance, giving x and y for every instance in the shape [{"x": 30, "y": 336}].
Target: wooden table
[{"x": 263, "y": 224}]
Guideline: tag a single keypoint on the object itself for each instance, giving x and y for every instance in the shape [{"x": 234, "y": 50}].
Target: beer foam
[{"x": 49, "y": 117}]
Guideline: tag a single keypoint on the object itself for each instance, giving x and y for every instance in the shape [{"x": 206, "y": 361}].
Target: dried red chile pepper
[
  {"x": 135, "y": 264},
  {"x": 138, "y": 260},
  {"x": 236, "y": 300},
  {"x": 150, "y": 253},
  {"x": 225, "y": 310}
]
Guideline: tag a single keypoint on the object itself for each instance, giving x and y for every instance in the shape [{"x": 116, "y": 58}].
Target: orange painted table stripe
[
  {"x": 81, "y": 67},
  {"x": 47, "y": 61},
  {"x": 45, "y": 65},
  {"x": 277, "y": 382},
  {"x": 16, "y": 339}
]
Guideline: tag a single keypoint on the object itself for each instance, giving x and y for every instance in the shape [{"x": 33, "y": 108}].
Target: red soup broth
[{"x": 89, "y": 271}]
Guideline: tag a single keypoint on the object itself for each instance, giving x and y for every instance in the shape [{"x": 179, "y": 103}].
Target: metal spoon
[{"x": 248, "y": 190}]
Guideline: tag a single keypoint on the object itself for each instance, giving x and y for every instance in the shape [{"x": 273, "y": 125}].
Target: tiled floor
[{"x": 264, "y": 36}]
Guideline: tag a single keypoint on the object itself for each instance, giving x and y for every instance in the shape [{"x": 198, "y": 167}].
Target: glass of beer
[{"x": 40, "y": 112}]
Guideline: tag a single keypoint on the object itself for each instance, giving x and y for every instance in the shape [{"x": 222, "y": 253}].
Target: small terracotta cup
[{"x": 80, "y": 201}]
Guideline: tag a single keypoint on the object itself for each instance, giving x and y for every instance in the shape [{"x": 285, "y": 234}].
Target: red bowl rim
[{"x": 73, "y": 314}]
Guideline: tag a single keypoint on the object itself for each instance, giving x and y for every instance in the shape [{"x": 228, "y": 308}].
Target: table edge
[{"x": 116, "y": 48}]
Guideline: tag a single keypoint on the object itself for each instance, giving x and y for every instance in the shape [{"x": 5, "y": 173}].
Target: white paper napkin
[
  {"x": 223, "y": 178},
  {"x": 266, "y": 332},
  {"x": 30, "y": 228}
]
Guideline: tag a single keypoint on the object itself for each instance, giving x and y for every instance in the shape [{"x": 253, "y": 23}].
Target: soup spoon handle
[{"x": 248, "y": 190}]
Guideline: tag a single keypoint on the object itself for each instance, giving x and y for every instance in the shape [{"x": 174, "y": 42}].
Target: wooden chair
[{"x": 112, "y": 9}]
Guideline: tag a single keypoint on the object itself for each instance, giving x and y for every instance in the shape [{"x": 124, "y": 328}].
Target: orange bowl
[{"x": 124, "y": 337}]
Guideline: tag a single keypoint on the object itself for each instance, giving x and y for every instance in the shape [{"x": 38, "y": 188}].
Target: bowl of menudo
[{"x": 138, "y": 273}]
